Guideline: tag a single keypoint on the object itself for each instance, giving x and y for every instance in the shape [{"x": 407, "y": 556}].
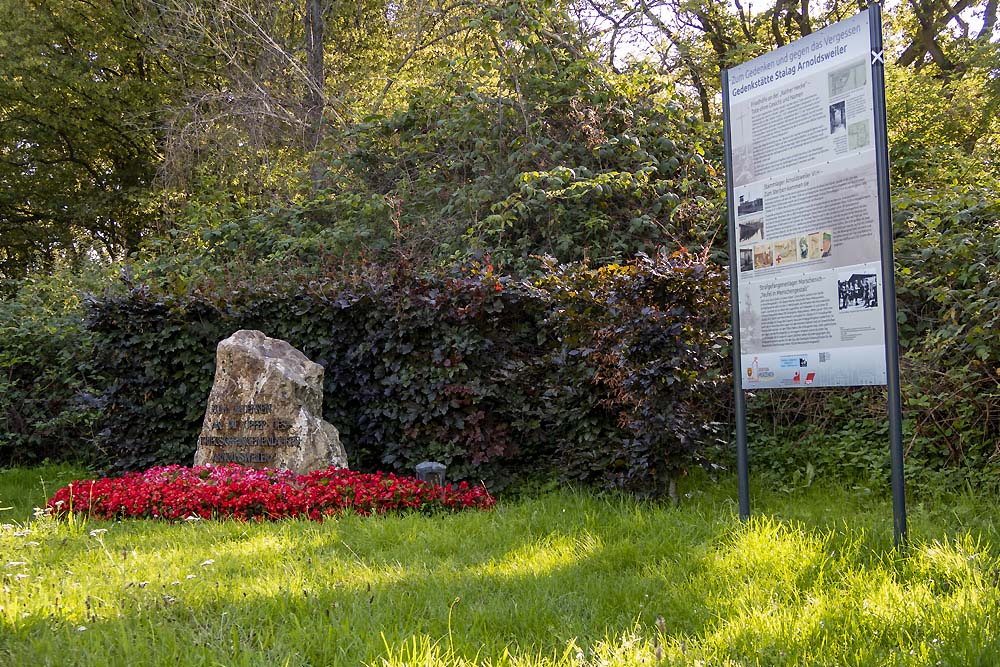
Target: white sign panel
[{"x": 806, "y": 211}]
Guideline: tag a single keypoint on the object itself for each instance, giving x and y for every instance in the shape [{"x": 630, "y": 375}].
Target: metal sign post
[{"x": 895, "y": 403}]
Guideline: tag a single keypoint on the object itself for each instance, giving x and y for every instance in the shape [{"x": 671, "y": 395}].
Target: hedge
[{"x": 607, "y": 376}]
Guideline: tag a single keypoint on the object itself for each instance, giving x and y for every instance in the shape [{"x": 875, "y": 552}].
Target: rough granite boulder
[{"x": 266, "y": 409}]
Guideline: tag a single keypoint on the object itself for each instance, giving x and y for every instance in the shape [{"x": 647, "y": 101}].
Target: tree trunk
[{"x": 316, "y": 85}]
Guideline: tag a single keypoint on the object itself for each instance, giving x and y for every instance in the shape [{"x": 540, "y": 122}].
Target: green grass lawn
[{"x": 568, "y": 578}]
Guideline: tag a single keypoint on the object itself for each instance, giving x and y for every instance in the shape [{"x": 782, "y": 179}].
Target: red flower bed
[{"x": 176, "y": 492}]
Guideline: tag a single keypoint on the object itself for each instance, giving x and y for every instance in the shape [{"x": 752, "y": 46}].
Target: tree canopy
[
  {"x": 80, "y": 143},
  {"x": 192, "y": 165},
  {"x": 583, "y": 128}
]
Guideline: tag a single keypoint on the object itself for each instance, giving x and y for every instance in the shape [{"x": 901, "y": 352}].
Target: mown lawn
[{"x": 567, "y": 578}]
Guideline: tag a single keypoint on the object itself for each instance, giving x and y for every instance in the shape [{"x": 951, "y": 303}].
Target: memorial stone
[{"x": 265, "y": 409}]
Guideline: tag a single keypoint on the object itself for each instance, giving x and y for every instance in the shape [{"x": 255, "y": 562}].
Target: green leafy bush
[
  {"x": 599, "y": 166},
  {"x": 949, "y": 297},
  {"x": 578, "y": 162},
  {"x": 44, "y": 373}
]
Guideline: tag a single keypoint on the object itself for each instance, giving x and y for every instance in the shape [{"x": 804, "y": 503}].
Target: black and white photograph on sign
[
  {"x": 752, "y": 230},
  {"x": 857, "y": 291},
  {"x": 743, "y": 171},
  {"x": 749, "y": 206},
  {"x": 803, "y": 248},
  {"x": 749, "y": 321},
  {"x": 746, "y": 259},
  {"x": 857, "y": 135},
  {"x": 849, "y": 78},
  {"x": 838, "y": 117}
]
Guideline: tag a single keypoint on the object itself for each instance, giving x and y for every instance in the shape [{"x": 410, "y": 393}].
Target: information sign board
[{"x": 804, "y": 210}]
